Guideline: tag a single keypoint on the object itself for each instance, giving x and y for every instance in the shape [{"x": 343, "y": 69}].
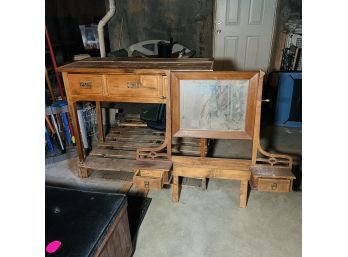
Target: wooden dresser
[
  {"x": 131, "y": 80},
  {"x": 200, "y": 103}
]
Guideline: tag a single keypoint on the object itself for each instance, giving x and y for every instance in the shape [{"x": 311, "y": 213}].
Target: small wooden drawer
[
  {"x": 148, "y": 179},
  {"x": 274, "y": 185},
  {"x": 135, "y": 85},
  {"x": 83, "y": 84},
  {"x": 166, "y": 174},
  {"x": 271, "y": 179}
]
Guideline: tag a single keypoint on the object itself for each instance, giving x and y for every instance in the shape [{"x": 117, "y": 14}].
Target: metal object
[
  {"x": 82, "y": 128},
  {"x": 86, "y": 84},
  {"x": 146, "y": 184},
  {"x": 274, "y": 186},
  {"x": 53, "y": 59},
  {"x": 133, "y": 85},
  {"x": 58, "y": 135}
]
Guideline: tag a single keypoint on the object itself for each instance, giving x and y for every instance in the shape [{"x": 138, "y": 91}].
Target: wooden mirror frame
[{"x": 252, "y": 77}]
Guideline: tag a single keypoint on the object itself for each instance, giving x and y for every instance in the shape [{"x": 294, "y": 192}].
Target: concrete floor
[{"x": 210, "y": 223}]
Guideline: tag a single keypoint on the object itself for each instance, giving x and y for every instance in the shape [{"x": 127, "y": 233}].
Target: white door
[{"x": 243, "y": 34}]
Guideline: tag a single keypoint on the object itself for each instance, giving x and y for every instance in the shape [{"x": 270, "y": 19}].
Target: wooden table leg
[
  {"x": 204, "y": 184},
  {"x": 75, "y": 123},
  {"x": 203, "y": 151},
  {"x": 176, "y": 189},
  {"x": 83, "y": 172},
  {"x": 243, "y": 193},
  {"x": 100, "y": 121}
]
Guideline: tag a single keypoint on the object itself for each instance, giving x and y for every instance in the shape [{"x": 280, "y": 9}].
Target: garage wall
[
  {"x": 63, "y": 17},
  {"x": 290, "y": 15},
  {"x": 190, "y": 22}
]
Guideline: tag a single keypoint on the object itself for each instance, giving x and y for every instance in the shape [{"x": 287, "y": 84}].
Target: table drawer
[
  {"x": 274, "y": 185},
  {"x": 146, "y": 179},
  {"x": 82, "y": 84},
  {"x": 135, "y": 85}
]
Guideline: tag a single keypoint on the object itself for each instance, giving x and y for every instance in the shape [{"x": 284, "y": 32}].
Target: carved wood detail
[{"x": 272, "y": 159}]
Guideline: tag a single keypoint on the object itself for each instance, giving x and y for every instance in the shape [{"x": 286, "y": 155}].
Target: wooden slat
[
  {"x": 100, "y": 163},
  {"x": 200, "y": 172},
  {"x": 149, "y": 164},
  {"x": 127, "y": 145},
  {"x": 132, "y": 124},
  {"x": 115, "y": 65},
  {"x": 272, "y": 171},
  {"x": 134, "y": 137},
  {"x": 137, "y": 131},
  {"x": 113, "y": 153},
  {"x": 182, "y": 149},
  {"x": 211, "y": 162}
]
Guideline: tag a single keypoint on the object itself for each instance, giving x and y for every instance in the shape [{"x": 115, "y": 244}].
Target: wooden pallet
[
  {"x": 121, "y": 142},
  {"x": 118, "y": 152}
]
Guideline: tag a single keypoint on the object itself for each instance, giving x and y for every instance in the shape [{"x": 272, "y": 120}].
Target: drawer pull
[
  {"x": 133, "y": 85},
  {"x": 86, "y": 84},
  {"x": 146, "y": 184},
  {"x": 274, "y": 186}
]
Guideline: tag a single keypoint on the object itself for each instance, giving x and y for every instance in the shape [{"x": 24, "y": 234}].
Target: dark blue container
[{"x": 289, "y": 100}]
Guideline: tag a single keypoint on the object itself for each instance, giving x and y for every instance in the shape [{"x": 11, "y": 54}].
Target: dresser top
[{"x": 108, "y": 64}]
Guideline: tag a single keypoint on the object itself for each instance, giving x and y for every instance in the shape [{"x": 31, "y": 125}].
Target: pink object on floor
[{"x": 53, "y": 246}]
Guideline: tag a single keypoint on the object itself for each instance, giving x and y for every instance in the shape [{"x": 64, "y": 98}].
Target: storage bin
[{"x": 289, "y": 100}]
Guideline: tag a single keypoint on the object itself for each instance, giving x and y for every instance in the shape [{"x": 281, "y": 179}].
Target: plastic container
[
  {"x": 289, "y": 100},
  {"x": 89, "y": 35}
]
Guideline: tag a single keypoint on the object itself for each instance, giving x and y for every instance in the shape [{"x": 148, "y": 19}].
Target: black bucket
[{"x": 165, "y": 49}]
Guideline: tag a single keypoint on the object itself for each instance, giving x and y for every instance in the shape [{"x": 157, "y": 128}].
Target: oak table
[{"x": 131, "y": 80}]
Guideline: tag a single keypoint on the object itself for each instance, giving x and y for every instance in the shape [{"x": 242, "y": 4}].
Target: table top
[
  {"x": 79, "y": 219},
  {"x": 95, "y": 64}
]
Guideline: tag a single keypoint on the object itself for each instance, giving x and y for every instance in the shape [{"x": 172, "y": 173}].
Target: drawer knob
[
  {"x": 274, "y": 186},
  {"x": 133, "y": 85},
  {"x": 146, "y": 184},
  {"x": 86, "y": 84}
]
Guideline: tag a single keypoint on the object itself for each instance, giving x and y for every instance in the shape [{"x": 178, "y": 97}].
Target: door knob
[{"x": 218, "y": 31}]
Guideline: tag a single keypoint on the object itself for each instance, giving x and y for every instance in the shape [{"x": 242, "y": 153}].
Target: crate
[
  {"x": 271, "y": 178},
  {"x": 118, "y": 151}
]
